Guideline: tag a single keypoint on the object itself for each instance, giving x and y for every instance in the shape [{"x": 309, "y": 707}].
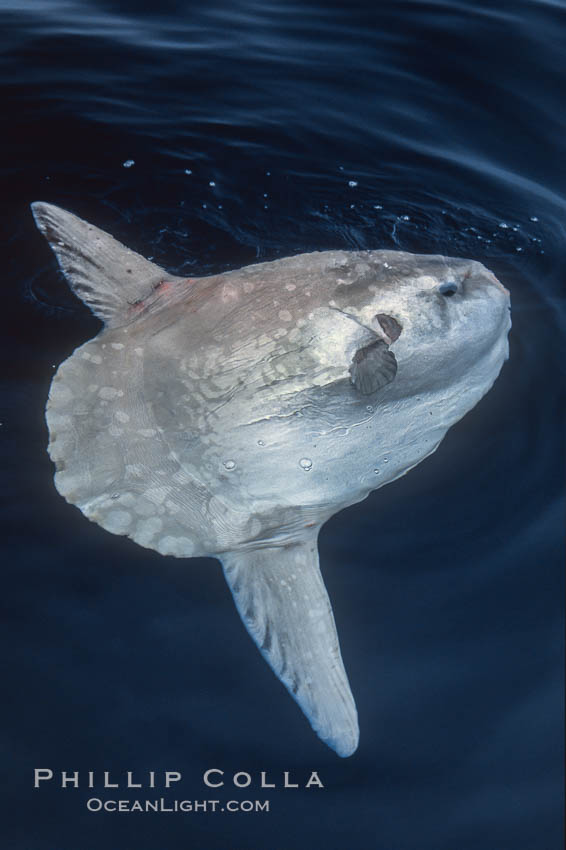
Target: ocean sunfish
[{"x": 232, "y": 415}]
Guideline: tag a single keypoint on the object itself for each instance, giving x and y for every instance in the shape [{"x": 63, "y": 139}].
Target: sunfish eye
[{"x": 448, "y": 289}]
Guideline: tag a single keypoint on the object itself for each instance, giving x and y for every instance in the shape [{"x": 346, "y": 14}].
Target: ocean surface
[{"x": 210, "y": 136}]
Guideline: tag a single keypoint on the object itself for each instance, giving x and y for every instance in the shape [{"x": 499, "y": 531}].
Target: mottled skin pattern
[{"x": 224, "y": 415}]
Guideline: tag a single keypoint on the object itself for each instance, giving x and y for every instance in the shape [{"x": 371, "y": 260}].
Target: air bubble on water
[
  {"x": 219, "y": 206},
  {"x": 260, "y": 443},
  {"x": 265, "y": 195},
  {"x": 204, "y": 206},
  {"x": 503, "y": 226},
  {"x": 369, "y": 408},
  {"x": 385, "y": 460},
  {"x": 306, "y": 464},
  {"x": 518, "y": 248},
  {"x": 377, "y": 207},
  {"x": 230, "y": 464},
  {"x": 211, "y": 183},
  {"x": 386, "y": 266},
  {"x": 188, "y": 171},
  {"x": 268, "y": 173},
  {"x": 515, "y": 228},
  {"x": 128, "y": 163},
  {"x": 534, "y": 218},
  {"x": 352, "y": 206},
  {"x": 405, "y": 218},
  {"x": 376, "y": 471},
  {"x": 115, "y": 496},
  {"x": 352, "y": 183}
]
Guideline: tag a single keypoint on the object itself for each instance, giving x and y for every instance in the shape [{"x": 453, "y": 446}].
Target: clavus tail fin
[{"x": 284, "y": 605}]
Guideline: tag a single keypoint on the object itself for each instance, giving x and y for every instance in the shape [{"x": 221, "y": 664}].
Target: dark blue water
[{"x": 258, "y": 130}]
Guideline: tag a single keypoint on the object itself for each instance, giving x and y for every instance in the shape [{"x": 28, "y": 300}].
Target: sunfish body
[{"x": 232, "y": 415}]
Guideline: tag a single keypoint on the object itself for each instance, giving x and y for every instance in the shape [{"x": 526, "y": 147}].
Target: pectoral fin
[
  {"x": 282, "y": 600},
  {"x": 373, "y": 367}
]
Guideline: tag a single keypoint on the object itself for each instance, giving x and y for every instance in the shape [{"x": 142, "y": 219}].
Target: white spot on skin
[
  {"x": 229, "y": 292},
  {"x": 118, "y": 346},
  {"x": 121, "y": 416},
  {"x": 144, "y": 507},
  {"x": 139, "y": 351},
  {"x": 180, "y": 546},
  {"x": 285, "y": 315},
  {"x": 58, "y": 420},
  {"x": 157, "y": 495},
  {"x": 146, "y": 529},
  {"x": 85, "y": 355},
  {"x": 147, "y": 432},
  {"x": 126, "y": 499},
  {"x": 290, "y": 287},
  {"x": 108, "y": 393},
  {"x": 96, "y": 358},
  {"x": 248, "y": 287},
  {"x": 60, "y": 392},
  {"x": 117, "y": 521},
  {"x": 115, "y": 431}
]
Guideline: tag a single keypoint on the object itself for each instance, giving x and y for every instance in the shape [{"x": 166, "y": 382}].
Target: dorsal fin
[{"x": 104, "y": 274}]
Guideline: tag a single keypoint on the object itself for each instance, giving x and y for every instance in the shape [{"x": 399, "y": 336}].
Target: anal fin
[{"x": 284, "y": 605}]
